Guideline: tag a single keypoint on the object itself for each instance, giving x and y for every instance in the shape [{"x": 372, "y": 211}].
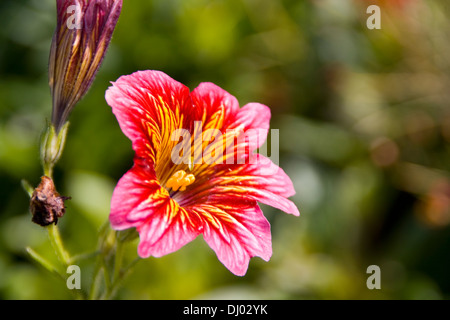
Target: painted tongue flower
[
  {"x": 190, "y": 176},
  {"x": 83, "y": 32}
]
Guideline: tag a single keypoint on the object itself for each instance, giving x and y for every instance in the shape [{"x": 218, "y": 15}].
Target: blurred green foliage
[{"x": 364, "y": 125}]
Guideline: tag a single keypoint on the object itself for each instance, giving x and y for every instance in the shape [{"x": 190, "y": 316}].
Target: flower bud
[{"x": 83, "y": 32}]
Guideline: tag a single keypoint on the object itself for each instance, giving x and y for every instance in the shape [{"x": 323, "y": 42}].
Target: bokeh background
[{"x": 364, "y": 124}]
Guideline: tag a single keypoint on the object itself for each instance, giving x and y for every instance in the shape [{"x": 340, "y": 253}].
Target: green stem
[
  {"x": 52, "y": 146},
  {"x": 120, "y": 279},
  {"x": 101, "y": 265},
  {"x": 44, "y": 263},
  {"x": 106, "y": 276},
  {"x": 56, "y": 241},
  {"x": 27, "y": 187},
  {"x": 83, "y": 256},
  {"x": 95, "y": 286},
  {"x": 53, "y": 270},
  {"x": 118, "y": 259},
  {"x": 48, "y": 170}
]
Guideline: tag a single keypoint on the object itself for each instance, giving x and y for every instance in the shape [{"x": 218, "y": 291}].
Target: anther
[{"x": 180, "y": 180}]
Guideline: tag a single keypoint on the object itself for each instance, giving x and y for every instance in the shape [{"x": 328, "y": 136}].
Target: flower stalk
[
  {"x": 57, "y": 243},
  {"x": 83, "y": 33}
]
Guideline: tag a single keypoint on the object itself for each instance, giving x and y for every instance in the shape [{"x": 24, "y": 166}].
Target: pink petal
[
  {"x": 261, "y": 180},
  {"x": 130, "y": 203},
  {"x": 218, "y": 106},
  {"x": 236, "y": 233},
  {"x": 252, "y": 121},
  {"x": 166, "y": 231},
  {"x": 255, "y": 118},
  {"x": 148, "y": 102},
  {"x": 139, "y": 201},
  {"x": 222, "y": 112}
]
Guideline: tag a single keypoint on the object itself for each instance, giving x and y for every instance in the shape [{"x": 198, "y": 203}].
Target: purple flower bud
[{"x": 83, "y": 32}]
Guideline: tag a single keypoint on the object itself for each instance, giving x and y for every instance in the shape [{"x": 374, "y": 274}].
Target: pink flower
[
  {"x": 83, "y": 32},
  {"x": 171, "y": 202}
]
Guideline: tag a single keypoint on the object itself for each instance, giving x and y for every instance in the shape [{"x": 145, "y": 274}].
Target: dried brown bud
[{"x": 46, "y": 204}]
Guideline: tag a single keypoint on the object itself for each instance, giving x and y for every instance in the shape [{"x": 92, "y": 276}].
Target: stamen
[
  {"x": 191, "y": 163},
  {"x": 180, "y": 180}
]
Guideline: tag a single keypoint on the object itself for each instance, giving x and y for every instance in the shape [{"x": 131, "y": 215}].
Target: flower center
[{"x": 180, "y": 180}]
